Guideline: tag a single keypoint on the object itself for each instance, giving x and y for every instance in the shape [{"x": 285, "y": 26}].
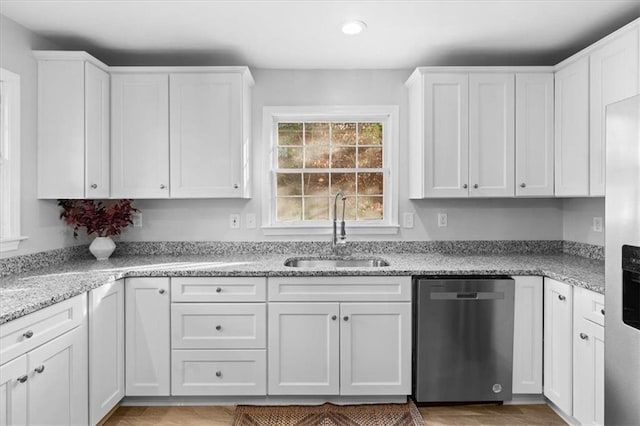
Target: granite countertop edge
[{"x": 26, "y": 293}]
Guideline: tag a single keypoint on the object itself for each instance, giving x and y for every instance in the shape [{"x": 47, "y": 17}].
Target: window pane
[
  {"x": 289, "y": 209},
  {"x": 370, "y": 208},
  {"x": 370, "y": 157},
  {"x": 316, "y": 133},
  {"x": 316, "y": 208},
  {"x": 370, "y": 133},
  {"x": 289, "y": 133},
  {"x": 370, "y": 184},
  {"x": 345, "y": 182},
  {"x": 343, "y": 158},
  {"x": 289, "y": 184},
  {"x": 343, "y": 133},
  {"x": 316, "y": 157},
  {"x": 290, "y": 158},
  {"x": 316, "y": 184}
]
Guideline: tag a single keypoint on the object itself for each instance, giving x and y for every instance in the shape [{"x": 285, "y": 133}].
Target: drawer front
[
  {"x": 23, "y": 334},
  {"x": 589, "y": 305},
  {"x": 340, "y": 289},
  {"x": 218, "y": 325},
  {"x": 218, "y": 289},
  {"x": 227, "y": 373}
]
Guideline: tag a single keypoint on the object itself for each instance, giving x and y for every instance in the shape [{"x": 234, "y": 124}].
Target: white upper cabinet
[
  {"x": 140, "y": 135},
  {"x": 491, "y": 135},
  {"x": 534, "y": 135},
  {"x": 572, "y": 130},
  {"x": 614, "y": 75},
  {"x": 73, "y": 126}
]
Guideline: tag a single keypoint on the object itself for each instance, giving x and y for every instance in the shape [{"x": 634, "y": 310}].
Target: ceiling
[{"x": 305, "y": 34}]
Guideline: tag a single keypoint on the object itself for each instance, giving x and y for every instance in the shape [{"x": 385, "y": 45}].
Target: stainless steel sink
[{"x": 311, "y": 262}]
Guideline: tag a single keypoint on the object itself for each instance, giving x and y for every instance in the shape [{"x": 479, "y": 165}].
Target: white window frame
[
  {"x": 386, "y": 114},
  {"x": 10, "y": 161}
]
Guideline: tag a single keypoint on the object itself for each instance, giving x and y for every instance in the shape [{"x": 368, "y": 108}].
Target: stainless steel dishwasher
[{"x": 463, "y": 341}]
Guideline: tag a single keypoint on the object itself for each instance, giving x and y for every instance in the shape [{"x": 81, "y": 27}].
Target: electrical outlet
[
  {"x": 136, "y": 218},
  {"x": 597, "y": 224},
  {"x": 442, "y": 220},
  {"x": 234, "y": 221},
  {"x": 250, "y": 220},
  {"x": 407, "y": 220}
]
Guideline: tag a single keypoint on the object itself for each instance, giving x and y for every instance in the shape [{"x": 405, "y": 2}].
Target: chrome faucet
[{"x": 342, "y": 239}]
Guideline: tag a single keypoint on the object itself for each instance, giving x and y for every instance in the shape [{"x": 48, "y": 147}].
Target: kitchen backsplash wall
[
  {"x": 39, "y": 219},
  {"x": 577, "y": 220}
]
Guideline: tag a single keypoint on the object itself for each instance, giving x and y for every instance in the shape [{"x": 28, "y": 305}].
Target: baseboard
[
  {"x": 567, "y": 418},
  {"x": 526, "y": 399},
  {"x": 259, "y": 400}
]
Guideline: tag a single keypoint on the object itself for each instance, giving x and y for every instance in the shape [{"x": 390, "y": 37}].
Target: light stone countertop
[{"x": 25, "y": 293}]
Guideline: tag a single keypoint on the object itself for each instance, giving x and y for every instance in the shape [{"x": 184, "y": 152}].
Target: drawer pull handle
[
  {"x": 583, "y": 336},
  {"x": 602, "y": 312},
  {"x": 346, "y": 318},
  {"x": 464, "y": 185},
  {"x": 218, "y": 373},
  {"x": 218, "y": 327},
  {"x": 28, "y": 334},
  {"x": 39, "y": 369},
  {"x": 523, "y": 185},
  {"x": 334, "y": 317},
  {"x": 161, "y": 291},
  {"x": 218, "y": 290},
  {"x": 23, "y": 379},
  {"x": 561, "y": 297}
]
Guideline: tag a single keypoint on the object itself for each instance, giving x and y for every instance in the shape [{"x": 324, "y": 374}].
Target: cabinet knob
[
  {"x": 161, "y": 291},
  {"x": 583, "y": 336},
  {"x": 39, "y": 369},
  {"x": 218, "y": 373},
  {"x": 561, "y": 297},
  {"x": 218, "y": 290},
  {"x": 602, "y": 312},
  {"x": 162, "y": 186},
  {"x": 465, "y": 186},
  {"x": 218, "y": 327},
  {"x": 23, "y": 379},
  {"x": 94, "y": 185},
  {"x": 346, "y": 318},
  {"x": 523, "y": 185},
  {"x": 27, "y": 334},
  {"x": 236, "y": 186},
  {"x": 334, "y": 317},
  {"x": 475, "y": 186}
]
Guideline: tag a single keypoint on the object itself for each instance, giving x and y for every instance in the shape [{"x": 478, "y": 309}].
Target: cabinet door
[
  {"x": 558, "y": 357},
  {"x": 375, "y": 349},
  {"x": 572, "y": 130},
  {"x": 147, "y": 336},
  {"x": 303, "y": 349},
  {"x": 446, "y": 137},
  {"x": 534, "y": 135},
  {"x": 206, "y": 135},
  {"x": 527, "y": 338},
  {"x": 96, "y": 132},
  {"x": 57, "y": 391},
  {"x": 491, "y": 135},
  {"x": 614, "y": 72},
  {"x": 13, "y": 392},
  {"x": 140, "y": 136},
  {"x": 106, "y": 349},
  {"x": 588, "y": 372}
]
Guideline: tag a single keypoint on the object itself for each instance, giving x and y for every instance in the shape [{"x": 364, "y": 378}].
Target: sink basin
[{"x": 311, "y": 262}]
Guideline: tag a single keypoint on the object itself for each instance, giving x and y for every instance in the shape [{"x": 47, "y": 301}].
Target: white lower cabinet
[
  {"x": 147, "y": 336},
  {"x": 13, "y": 392},
  {"x": 106, "y": 349},
  {"x": 527, "y": 338},
  {"x": 558, "y": 330}
]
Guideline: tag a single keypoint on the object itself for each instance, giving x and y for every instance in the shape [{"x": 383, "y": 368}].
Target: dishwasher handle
[{"x": 454, "y": 295}]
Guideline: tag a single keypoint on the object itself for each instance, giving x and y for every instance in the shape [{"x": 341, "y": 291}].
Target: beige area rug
[{"x": 329, "y": 415}]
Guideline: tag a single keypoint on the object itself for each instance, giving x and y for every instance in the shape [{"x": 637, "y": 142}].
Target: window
[
  {"x": 9, "y": 161},
  {"x": 317, "y": 152}
]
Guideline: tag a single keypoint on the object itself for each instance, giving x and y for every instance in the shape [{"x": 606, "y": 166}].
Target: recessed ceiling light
[{"x": 353, "y": 27}]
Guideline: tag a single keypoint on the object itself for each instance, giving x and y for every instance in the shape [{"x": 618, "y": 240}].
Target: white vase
[{"x": 102, "y": 247}]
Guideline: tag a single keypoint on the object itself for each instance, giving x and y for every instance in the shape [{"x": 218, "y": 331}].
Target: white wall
[
  {"x": 39, "y": 219},
  {"x": 468, "y": 219},
  {"x": 577, "y": 220}
]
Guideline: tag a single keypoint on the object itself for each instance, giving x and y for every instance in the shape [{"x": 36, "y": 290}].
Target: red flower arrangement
[{"x": 96, "y": 217}]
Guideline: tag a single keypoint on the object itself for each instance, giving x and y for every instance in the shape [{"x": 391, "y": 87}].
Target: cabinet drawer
[
  {"x": 340, "y": 289},
  {"x": 218, "y": 372},
  {"x": 25, "y": 333},
  {"x": 218, "y": 289},
  {"x": 218, "y": 325},
  {"x": 589, "y": 305}
]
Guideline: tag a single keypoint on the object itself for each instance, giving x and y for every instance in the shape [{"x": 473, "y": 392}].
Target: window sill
[
  {"x": 328, "y": 230},
  {"x": 11, "y": 244}
]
